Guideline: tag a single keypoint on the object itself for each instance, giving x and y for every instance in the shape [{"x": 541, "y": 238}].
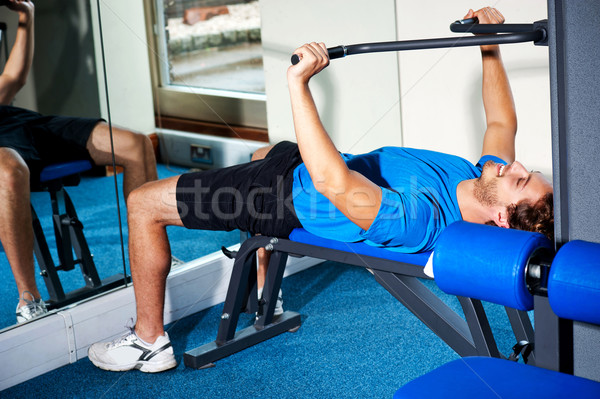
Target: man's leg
[
  {"x": 263, "y": 255},
  {"x": 16, "y": 231},
  {"x": 133, "y": 151},
  {"x": 151, "y": 208}
]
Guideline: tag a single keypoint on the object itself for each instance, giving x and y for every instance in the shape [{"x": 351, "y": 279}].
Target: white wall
[
  {"x": 358, "y": 97},
  {"x": 441, "y": 89},
  {"x": 127, "y": 65},
  {"x": 438, "y": 91}
]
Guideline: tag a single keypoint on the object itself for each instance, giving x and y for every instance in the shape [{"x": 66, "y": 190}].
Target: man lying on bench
[{"x": 398, "y": 198}]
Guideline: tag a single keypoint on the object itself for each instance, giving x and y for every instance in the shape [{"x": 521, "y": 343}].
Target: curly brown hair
[{"x": 538, "y": 217}]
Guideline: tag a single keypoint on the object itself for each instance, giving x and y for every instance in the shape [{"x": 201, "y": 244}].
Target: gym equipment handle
[
  {"x": 519, "y": 33},
  {"x": 472, "y": 25}
]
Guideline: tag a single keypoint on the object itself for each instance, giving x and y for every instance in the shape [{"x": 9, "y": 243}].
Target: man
[
  {"x": 30, "y": 141},
  {"x": 394, "y": 197}
]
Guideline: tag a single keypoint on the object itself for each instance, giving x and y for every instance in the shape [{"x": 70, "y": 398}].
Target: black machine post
[{"x": 575, "y": 99}]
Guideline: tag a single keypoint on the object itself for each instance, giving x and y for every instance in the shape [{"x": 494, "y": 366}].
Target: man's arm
[
  {"x": 17, "y": 66},
  {"x": 501, "y": 117},
  {"x": 353, "y": 194}
]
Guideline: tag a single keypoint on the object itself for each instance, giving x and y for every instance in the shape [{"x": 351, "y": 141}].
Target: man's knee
[
  {"x": 14, "y": 173},
  {"x": 154, "y": 201},
  {"x": 137, "y": 202},
  {"x": 261, "y": 153},
  {"x": 128, "y": 145}
]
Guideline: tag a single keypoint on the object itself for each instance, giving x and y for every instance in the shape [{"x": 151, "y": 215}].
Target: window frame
[{"x": 194, "y": 103}]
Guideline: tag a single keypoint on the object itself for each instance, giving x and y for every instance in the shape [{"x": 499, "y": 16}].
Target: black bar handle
[
  {"x": 472, "y": 25},
  {"x": 511, "y": 33},
  {"x": 468, "y": 21}
]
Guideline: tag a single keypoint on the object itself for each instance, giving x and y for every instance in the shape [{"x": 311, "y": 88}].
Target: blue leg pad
[{"x": 484, "y": 377}]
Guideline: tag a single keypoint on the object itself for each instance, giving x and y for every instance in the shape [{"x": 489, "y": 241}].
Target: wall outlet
[{"x": 201, "y": 154}]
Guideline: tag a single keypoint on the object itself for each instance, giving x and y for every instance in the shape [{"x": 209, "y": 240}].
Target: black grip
[
  {"x": 468, "y": 21},
  {"x": 333, "y": 52},
  {"x": 336, "y": 52}
]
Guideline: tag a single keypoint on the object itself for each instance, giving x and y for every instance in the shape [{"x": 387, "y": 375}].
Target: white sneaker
[
  {"x": 33, "y": 308},
  {"x": 176, "y": 262},
  {"x": 129, "y": 352}
]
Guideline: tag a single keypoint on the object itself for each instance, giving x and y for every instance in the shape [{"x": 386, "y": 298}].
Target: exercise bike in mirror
[{"x": 59, "y": 213}]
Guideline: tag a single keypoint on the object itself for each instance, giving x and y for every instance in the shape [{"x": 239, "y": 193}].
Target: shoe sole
[
  {"x": 142, "y": 366},
  {"x": 146, "y": 367}
]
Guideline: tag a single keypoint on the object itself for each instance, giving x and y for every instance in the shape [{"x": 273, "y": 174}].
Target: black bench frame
[
  {"x": 471, "y": 336},
  {"x": 68, "y": 233}
]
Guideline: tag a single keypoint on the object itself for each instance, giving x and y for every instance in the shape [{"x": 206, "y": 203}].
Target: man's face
[{"x": 505, "y": 185}]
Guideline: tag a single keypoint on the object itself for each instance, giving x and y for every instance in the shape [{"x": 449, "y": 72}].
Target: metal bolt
[
  {"x": 225, "y": 316},
  {"x": 274, "y": 240},
  {"x": 269, "y": 247}
]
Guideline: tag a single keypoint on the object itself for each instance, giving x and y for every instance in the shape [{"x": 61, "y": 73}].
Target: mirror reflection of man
[{"x": 30, "y": 141}]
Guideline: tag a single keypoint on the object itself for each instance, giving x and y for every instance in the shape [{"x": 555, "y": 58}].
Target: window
[{"x": 207, "y": 59}]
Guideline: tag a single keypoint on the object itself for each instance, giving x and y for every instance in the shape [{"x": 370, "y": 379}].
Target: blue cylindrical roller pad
[
  {"x": 574, "y": 282},
  {"x": 486, "y": 262}
]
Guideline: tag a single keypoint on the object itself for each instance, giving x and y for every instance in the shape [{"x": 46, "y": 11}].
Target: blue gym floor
[{"x": 356, "y": 340}]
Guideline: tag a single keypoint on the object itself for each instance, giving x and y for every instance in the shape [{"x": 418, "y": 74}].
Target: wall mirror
[{"x": 67, "y": 79}]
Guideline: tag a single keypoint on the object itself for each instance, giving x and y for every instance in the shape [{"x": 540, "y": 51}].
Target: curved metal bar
[
  {"x": 342, "y": 51},
  {"x": 490, "y": 28},
  {"x": 443, "y": 43}
]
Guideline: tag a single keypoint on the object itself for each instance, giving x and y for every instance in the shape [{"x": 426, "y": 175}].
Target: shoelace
[
  {"x": 125, "y": 337},
  {"x": 32, "y": 306}
]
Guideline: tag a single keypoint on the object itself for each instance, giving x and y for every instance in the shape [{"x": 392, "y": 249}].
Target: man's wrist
[
  {"x": 25, "y": 19},
  {"x": 490, "y": 51},
  {"x": 295, "y": 84}
]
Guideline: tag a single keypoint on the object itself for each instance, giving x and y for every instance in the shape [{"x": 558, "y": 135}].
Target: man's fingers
[
  {"x": 307, "y": 52},
  {"x": 311, "y": 53},
  {"x": 489, "y": 15},
  {"x": 320, "y": 51},
  {"x": 499, "y": 17},
  {"x": 324, "y": 48}
]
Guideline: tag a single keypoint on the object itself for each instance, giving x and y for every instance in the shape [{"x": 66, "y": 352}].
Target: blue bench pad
[
  {"x": 484, "y": 377},
  {"x": 360, "y": 248},
  {"x": 63, "y": 169}
]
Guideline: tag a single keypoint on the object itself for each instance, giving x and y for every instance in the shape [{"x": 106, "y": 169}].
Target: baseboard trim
[{"x": 64, "y": 336}]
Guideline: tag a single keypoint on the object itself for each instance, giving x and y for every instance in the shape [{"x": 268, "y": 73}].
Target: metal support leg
[
  {"x": 481, "y": 332},
  {"x": 271, "y": 288},
  {"x": 436, "y": 315},
  {"x": 522, "y": 328},
  {"x": 69, "y": 238},
  {"x": 79, "y": 244},
  {"x": 243, "y": 276},
  {"x": 47, "y": 268},
  {"x": 237, "y": 293}
]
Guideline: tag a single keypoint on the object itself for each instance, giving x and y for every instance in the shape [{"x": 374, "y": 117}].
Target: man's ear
[{"x": 501, "y": 218}]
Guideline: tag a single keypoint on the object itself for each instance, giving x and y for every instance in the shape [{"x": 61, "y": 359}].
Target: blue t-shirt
[{"x": 418, "y": 198}]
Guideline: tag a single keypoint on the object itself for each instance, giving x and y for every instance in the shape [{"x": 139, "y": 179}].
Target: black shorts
[
  {"x": 255, "y": 197},
  {"x": 44, "y": 140}
]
